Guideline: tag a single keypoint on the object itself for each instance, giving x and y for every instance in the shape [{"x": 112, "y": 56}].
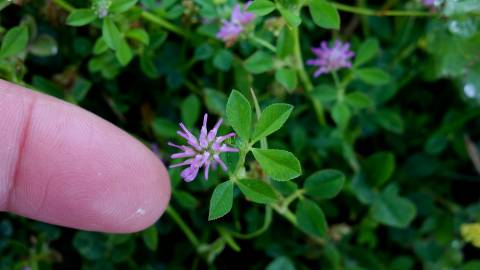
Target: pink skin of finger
[{"x": 63, "y": 165}]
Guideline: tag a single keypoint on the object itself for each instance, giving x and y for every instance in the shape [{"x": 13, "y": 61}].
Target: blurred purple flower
[
  {"x": 331, "y": 59},
  {"x": 231, "y": 30},
  {"x": 428, "y": 3},
  {"x": 202, "y": 151}
]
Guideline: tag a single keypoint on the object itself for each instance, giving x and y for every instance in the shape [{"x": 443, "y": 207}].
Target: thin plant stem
[
  {"x": 266, "y": 223},
  {"x": 381, "y": 13},
  {"x": 66, "y": 6},
  {"x": 317, "y": 106},
  {"x": 163, "y": 23},
  {"x": 183, "y": 226},
  {"x": 263, "y": 43}
]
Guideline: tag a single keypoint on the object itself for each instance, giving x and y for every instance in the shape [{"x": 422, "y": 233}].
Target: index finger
[{"x": 63, "y": 165}]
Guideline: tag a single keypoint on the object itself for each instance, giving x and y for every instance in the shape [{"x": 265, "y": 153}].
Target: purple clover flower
[
  {"x": 203, "y": 151},
  {"x": 231, "y": 30},
  {"x": 331, "y": 59}
]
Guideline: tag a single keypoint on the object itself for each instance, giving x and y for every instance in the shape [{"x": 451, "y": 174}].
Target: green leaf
[
  {"x": 100, "y": 46},
  {"x": 367, "y": 51},
  {"x": 280, "y": 165},
  {"x": 139, "y": 35},
  {"x": 286, "y": 77},
  {"x": 271, "y": 120},
  {"x": 325, "y": 93},
  {"x": 185, "y": 199},
  {"x": 119, "y": 6},
  {"x": 324, "y": 184},
  {"x": 257, "y": 191},
  {"x": 44, "y": 45},
  {"x": 80, "y": 17},
  {"x": 203, "y": 52},
  {"x": 110, "y": 34},
  {"x": 15, "y": 41},
  {"x": 221, "y": 201},
  {"x": 123, "y": 53},
  {"x": 390, "y": 120},
  {"x": 223, "y": 60},
  {"x": 285, "y": 43},
  {"x": 239, "y": 114},
  {"x": 215, "y": 101},
  {"x": 358, "y": 100},
  {"x": 190, "y": 110},
  {"x": 373, "y": 76},
  {"x": 379, "y": 167},
  {"x": 281, "y": 263},
  {"x": 150, "y": 237},
  {"x": 259, "y": 62},
  {"x": 310, "y": 218},
  {"x": 324, "y": 14},
  {"x": 341, "y": 114},
  {"x": 261, "y": 7},
  {"x": 292, "y": 19},
  {"x": 393, "y": 210}
]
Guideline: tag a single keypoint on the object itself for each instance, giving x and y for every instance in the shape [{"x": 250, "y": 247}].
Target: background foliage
[{"x": 388, "y": 149}]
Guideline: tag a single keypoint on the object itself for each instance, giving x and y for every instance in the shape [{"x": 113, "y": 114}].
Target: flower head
[
  {"x": 331, "y": 59},
  {"x": 203, "y": 151},
  {"x": 231, "y": 29}
]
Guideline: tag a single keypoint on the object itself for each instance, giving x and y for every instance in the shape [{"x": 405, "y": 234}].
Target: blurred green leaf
[
  {"x": 80, "y": 17},
  {"x": 150, "y": 237},
  {"x": 379, "y": 167},
  {"x": 367, "y": 51},
  {"x": 259, "y": 62},
  {"x": 324, "y": 14},
  {"x": 190, "y": 110},
  {"x": 392, "y": 210},
  {"x": 310, "y": 218},
  {"x": 261, "y": 7},
  {"x": 341, "y": 114},
  {"x": 293, "y": 20},
  {"x": 373, "y": 76},
  {"x": 223, "y": 60},
  {"x": 281, "y": 263},
  {"x": 14, "y": 41},
  {"x": 358, "y": 100},
  {"x": 111, "y": 35},
  {"x": 239, "y": 114},
  {"x": 287, "y": 78},
  {"x": 119, "y": 6},
  {"x": 139, "y": 35},
  {"x": 324, "y": 184}
]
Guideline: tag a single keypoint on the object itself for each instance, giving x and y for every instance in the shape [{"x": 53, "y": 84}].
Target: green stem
[
  {"x": 380, "y": 13},
  {"x": 317, "y": 106},
  {"x": 183, "y": 226},
  {"x": 258, "y": 112},
  {"x": 263, "y": 43},
  {"x": 338, "y": 86},
  {"x": 163, "y": 23},
  {"x": 297, "y": 194},
  {"x": 64, "y": 5},
  {"x": 266, "y": 223},
  {"x": 286, "y": 213}
]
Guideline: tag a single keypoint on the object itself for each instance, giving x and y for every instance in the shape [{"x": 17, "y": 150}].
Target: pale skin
[{"x": 63, "y": 165}]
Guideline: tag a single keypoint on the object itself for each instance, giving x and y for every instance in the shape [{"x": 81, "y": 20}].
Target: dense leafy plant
[{"x": 352, "y": 135}]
